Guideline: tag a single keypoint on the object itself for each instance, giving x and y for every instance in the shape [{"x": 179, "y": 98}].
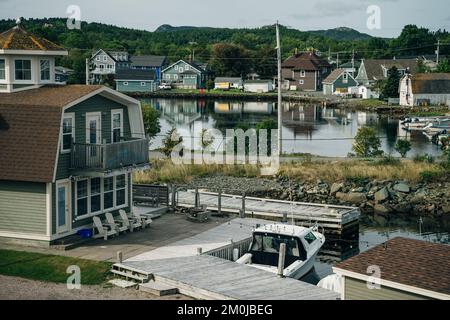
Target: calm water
[{"x": 307, "y": 128}]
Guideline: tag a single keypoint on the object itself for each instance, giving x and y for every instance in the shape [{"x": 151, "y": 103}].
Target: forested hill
[{"x": 229, "y": 51}]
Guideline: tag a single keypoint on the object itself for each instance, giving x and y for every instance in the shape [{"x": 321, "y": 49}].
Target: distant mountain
[
  {"x": 169, "y": 28},
  {"x": 341, "y": 33}
]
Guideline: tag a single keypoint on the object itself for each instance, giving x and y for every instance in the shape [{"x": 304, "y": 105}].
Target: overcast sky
[{"x": 299, "y": 14}]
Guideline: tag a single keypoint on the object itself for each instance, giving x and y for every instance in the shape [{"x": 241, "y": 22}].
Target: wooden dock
[
  {"x": 209, "y": 273},
  {"x": 209, "y": 278},
  {"x": 328, "y": 216}
]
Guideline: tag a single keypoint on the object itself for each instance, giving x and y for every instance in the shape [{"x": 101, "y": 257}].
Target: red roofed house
[
  {"x": 67, "y": 153},
  {"x": 304, "y": 72}
]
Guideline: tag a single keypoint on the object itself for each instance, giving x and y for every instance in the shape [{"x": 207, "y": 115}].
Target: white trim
[
  {"x": 113, "y": 112},
  {"x": 35, "y": 52},
  {"x": 392, "y": 284},
  {"x": 23, "y": 81},
  {"x": 72, "y": 116},
  {"x": 98, "y": 129},
  {"x": 68, "y": 184},
  {"x": 48, "y": 203},
  {"x": 181, "y": 60}
]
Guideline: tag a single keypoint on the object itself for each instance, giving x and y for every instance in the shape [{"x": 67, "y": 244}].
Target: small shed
[
  {"x": 226, "y": 83},
  {"x": 258, "y": 86},
  {"x": 425, "y": 89},
  {"x": 365, "y": 92},
  {"x": 399, "y": 269}
]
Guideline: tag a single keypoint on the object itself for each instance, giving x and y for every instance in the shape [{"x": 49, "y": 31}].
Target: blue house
[
  {"x": 186, "y": 75},
  {"x": 156, "y": 63},
  {"x": 134, "y": 80}
]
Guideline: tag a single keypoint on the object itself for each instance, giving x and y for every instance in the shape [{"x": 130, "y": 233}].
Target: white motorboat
[{"x": 302, "y": 246}]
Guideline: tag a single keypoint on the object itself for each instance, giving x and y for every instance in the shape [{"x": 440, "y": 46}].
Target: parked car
[{"x": 165, "y": 86}]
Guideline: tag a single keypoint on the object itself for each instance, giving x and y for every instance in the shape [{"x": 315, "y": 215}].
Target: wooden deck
[
  {"x": 207, "y": 277},
  {"x": 211, "y": 274},
  {"x": 328, "y": 216},
  {"x": 237, "y": 232}
]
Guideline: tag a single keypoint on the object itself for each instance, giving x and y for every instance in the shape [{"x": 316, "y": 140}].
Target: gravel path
[{"x": 13, "y": 288}]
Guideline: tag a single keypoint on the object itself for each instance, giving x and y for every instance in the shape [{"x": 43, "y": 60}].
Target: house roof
[
  {"x": 409, "y": 262},
  {"x": 432, "y": 83},
  {"x": 148, "y": 61},
  {"x": 201, "y": 67},
  {"x": 136, "y": 74},
  {"x": 227, "y": 79},
  {"x": 305, "y": 61},
  {"x": 349, "y": 64},
  {"x": 374, "y": 67},
  {"x": 333, "y": 76},
  {"x": 18, "y": 38},
  {"x": 30, "y": 123},
  {"x": 257, "y": 81}
]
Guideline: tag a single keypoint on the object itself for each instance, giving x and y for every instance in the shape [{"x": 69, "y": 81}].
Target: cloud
[{"x": 325, "y": 9}]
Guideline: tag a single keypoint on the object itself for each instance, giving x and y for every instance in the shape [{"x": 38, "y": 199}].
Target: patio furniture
[
  {"x": 119, "y": 227},
  {"x": 131, "y": 222},
  {"x": 103, "y": 230},
  {"x": 144, "y": 219}
]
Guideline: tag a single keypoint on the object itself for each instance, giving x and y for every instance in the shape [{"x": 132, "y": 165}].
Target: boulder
[
  {"x": 382, "y": 195},
  {"x": 446, "y": 209},
  {"x": 352, "y": 197},
  {"x": 402, "y": 187},
  {"x": 381, "y": 209},
  {"x": 336, "y": 187}
]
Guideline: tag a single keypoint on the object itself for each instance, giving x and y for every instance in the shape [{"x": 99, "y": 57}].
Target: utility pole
[
  {"x": 337, "y": 60},
  {"x": 280, "y": 110},
  {"x": 353, "y": 62},
  {"x": 87, "y": 71},
  {"x": 437, "y": 51}
]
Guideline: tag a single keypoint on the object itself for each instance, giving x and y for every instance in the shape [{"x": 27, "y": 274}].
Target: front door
[
  {"x": 93, "y": 137},
  {"x": 63, "y": 207}
]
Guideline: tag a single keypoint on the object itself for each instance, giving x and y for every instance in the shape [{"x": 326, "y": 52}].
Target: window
[
  {"x": 23, "y": 69},
  {"x": 301, "y": 82},
  {"x": 125, "y": 83},
  {"x": 120, "y": 190},
  {"x": 303, "y": 73},
  {"x": 82, "y": 197},
  {"x": 143, "y": 84},
  {"x": 45, "y": 70},
  {"x": 176, "y": 67},
  {"x": 117, "y": 125},
  {"x": 68, "y": 132},
  {"x": 105, "y": 58},
  {"x": 175, "y": 77},
  {"x": 96, "y": 193},
  {"x": 108, "y": 189},
  {"x": 2, "y": 69},
  {"x": 97, "y": 58}
]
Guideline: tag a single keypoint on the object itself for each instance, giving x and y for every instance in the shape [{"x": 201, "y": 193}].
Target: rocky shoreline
[{"x": 380, "y": 197}]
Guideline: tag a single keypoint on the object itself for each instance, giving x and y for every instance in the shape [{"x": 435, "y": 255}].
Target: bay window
[
  {"x": 2, "y": 69},
  {"x": 22, "y": 69},
  {"x": 45, "y": 70},
  {"x": 82, "y": 197}
]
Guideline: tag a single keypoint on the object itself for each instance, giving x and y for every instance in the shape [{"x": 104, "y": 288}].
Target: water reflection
[{"x": 307, "y": 128}]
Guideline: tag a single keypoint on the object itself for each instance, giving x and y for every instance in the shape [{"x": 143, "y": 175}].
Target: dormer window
[
  {"x": 2, "y": 69},
  {"x": 23, "y": 69},
  {"x": 45, "y": 70}
]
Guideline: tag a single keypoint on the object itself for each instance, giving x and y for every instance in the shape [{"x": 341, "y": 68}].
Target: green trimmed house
[
  {"x": 186, "y": 75},
  {"x": 67, "y": 153},
  {"x": 338, "y": 82},
  {"x": 136, "y": 81}
]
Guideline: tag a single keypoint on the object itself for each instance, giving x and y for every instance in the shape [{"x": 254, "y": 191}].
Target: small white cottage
[
  {"x": 366, "y": 93},
  {"x": 424, "y": 89},
  {"x": 258, "y": 86}
]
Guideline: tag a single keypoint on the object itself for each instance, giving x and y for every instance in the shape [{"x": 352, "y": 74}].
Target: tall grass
[{"x": 330, "y": 171}]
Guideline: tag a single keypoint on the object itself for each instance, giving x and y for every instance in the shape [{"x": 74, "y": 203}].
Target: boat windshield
[{"x": 270, "y": 243}]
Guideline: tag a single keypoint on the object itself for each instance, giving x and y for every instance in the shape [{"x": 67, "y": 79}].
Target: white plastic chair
[
  {"x": 131, "y": 222},
  {"x": 145, "y": 220},
  {"x": 118, "y": 227}
]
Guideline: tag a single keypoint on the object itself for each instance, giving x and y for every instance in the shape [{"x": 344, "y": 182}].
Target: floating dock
[
  {"x": 328, "y": 216},
  {"x": 208, "y": 273}
]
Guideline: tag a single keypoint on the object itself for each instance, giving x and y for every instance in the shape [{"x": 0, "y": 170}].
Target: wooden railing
[{"x": 109, "y": 156}]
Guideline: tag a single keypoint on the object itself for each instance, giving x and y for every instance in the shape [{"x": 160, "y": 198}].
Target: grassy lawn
[{"x": 50, "y": 268}]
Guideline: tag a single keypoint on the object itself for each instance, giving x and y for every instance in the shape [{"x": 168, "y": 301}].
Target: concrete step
[
  {"x": 158, "y": 288},
  {"x": 123, "y": 283}
]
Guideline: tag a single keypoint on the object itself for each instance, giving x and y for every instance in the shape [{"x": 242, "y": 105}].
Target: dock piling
[
  {"x": 281, "y": 259},
  {"x": 243, "y": 206},
  {"x": 119, "y": 257},
  {"x": 197, "y": 198},
  {"x": 219, "y": 203},
  {"x": 199, "y": 251}
]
